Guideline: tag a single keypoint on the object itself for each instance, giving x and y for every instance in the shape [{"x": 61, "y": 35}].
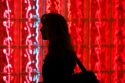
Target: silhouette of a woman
[{"x": 59, "y": 62}]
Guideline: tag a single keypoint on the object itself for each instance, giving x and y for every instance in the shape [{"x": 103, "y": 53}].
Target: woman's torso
[{"x": 58, "y": 65}]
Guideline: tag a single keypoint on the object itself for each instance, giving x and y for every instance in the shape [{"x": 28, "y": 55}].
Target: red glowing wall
[{"x": 97, "y": 29}]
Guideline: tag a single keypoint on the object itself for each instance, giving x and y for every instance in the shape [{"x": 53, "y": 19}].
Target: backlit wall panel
[
  {"x": 7, "y": 40},
  {"x": 76, "y": 19},
  {"x": 97, "y": 32},
  {"x": 99, "y": 39},
  {"x": 29, "y": 40},
  {"x": 119, "y": 41}
]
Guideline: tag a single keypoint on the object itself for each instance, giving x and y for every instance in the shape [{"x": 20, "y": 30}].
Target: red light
[{"x": 96, "y": 28}]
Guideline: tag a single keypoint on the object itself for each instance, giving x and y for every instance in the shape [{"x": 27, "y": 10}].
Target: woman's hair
[{"x": 57, "y": 29}]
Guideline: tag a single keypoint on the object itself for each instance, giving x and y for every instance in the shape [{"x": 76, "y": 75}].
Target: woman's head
[{"x": 55, "y": 28}]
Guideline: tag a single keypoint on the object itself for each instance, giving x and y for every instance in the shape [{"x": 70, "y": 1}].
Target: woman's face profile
[{"x": 44, "y": 32}]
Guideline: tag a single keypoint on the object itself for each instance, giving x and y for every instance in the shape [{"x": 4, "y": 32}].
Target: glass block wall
[{"x": 97, "y": 29}]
